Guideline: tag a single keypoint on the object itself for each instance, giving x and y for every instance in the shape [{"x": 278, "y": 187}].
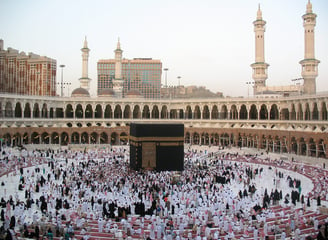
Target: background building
[
  {"x": 141, "y": 74},
  {"x": 26, "y": 74}
]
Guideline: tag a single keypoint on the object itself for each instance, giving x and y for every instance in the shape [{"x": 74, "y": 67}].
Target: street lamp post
[
  {"x": 62, "y": 83},
  {"x": 179, "y": 81}
]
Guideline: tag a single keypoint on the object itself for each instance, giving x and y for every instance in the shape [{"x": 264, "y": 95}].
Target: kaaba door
[{"x": 149, "y": 155}]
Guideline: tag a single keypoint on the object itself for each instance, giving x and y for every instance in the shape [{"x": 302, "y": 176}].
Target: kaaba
[{"x": 156, "y": 147}]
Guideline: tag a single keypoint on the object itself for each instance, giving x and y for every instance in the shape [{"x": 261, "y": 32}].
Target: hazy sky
[{"x": 208, "y": 43}]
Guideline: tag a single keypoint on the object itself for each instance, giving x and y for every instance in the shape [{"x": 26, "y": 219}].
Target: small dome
[
  {"x": 108, "y": 92},
  {"x": 80, "y": 92},
  {"x": 134, "y": 93}
]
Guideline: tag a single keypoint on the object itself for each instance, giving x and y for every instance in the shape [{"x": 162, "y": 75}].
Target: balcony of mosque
[
  {"x": 57, "y": 100},
  {"x": 282, "y": 125}
]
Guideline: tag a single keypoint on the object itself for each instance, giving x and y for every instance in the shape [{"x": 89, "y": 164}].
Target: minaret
[
  {"x": 259, "y": 67},
  {"x": 118, "y": 80},
  {"x": 85, "y": 80},
  {"x": 309, "y": 63}
]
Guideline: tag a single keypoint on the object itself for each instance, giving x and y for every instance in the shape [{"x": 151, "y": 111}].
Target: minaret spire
[
  {"x": 118, "y": 80},
  {"x": 309, "y": 63},
  {"x": 309, "y": 7},
  {"x": 85, "y": 80},
  {"x": 259, "y": 13},
  {"x": 118, "y": 44},
  {"x": 85, "y": 45},
  {"x": 260, "y": 67}
]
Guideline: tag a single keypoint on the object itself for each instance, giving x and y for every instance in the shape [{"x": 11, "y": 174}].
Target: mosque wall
[{"x": 287, "y": 124}]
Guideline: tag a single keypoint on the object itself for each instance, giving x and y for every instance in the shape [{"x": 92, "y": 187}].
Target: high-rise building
[
  {"x": 26, "y": 74},
  {"x": 141, "y": 74}
]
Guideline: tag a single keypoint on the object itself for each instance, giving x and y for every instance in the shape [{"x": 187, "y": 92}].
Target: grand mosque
[{"x": 290, "y": 119}]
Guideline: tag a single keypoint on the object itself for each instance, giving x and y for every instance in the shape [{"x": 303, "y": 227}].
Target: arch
[
  {"x": 45, "y": 138},
  {"x": 173, "y": 114},
  {"x": 187, "y": 138},
  {"x": 69, "y": 111},
  {"x": 312, "y": 148},
  {"x": 195, "y": 138},
  {"x": 17, "y": 139},
  {"x": 233, "y": 112},
  {"x": 98, "y": 111},
  {"x": 253, "y": 114},
  {"x": 180, "y": 114},
  {"x": 188, "y": 114},
  {"x": 124, "y": 138},
  {"x": 103, "y": 138},
  {"x": 324, "y": 115},
  {"x": 35, "y": 138},
  {"x": 18, "y": 110},
  {"x": 263, "y": 112},
  {"x": 75, "y": 139},
  {"x": 25, "y": 138},
  {"x": 197, "y": 113},
  {"x": 284, "y": 114},
  {"x": 36, "y": 111},
  {"x": 225, "y": 139},
  {"x": 299, "y": 112},
  {"x": 7, "y": 139},
  {"x": 108, "y": 112},
  {"x": 93, "y": 138},
  {"x": 307, "y": 113},
  {"x": 85, "y": 138},
  {"x": 293, "y": 145},
  {"x": 276, "y": 144},
  {"x": 146, "y": 112},
  {"x": 224, "y": 112},
  {"x": 206, "y": 112},
  {"x": 27, "y": 111},
  {"x": 243, "y": 114},
  {"x": 114, "y": 138},
  {"x": 274, "y": 113},
  {"x": 8, "y": 110},
  {"x": 322, "y": 148},
  {"x": 88, "y": 111},
  {"x": 59, "y": 113},
  {"x": 136, "y": 112},
  {"x": 51, "y": 112},
  {"x": 315, "y": 112},
  {"x": 205, "y": 139},
  {"x": 127, "y": 112},
  {"x": 302, "y": 147},
  {"x": 215, "y": 112},
  {"x": 79, "y": 111},
  {"x": 155, "y": 112},
  {"x": 117, "y": 112},
  {"x": 64, "y": 139},
  {"x": 293, "y": 113},
  {"x": 164, "y": 112},
  {"x": 216, "y": 139},
  {"x": 54, "y": 138},
  {"x": 44, "y": 111}
]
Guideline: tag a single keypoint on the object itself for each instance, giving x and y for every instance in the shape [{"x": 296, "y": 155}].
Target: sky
[{"x": 208, "y": 43}]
